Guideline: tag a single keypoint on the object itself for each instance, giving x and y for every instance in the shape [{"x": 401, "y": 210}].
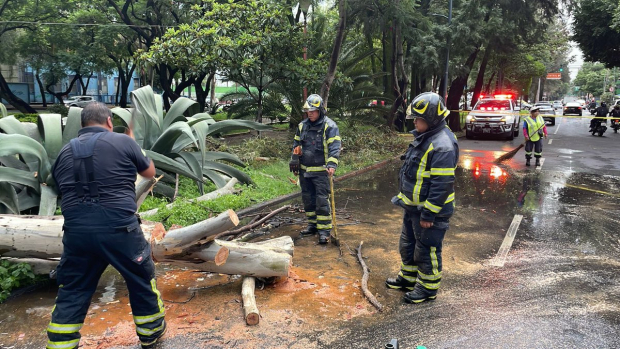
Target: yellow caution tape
[
  {"x": 549, "y": 115},
  {"x": 592, "y": 190}
]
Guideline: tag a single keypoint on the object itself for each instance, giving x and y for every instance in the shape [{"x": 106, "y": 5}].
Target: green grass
[{"x": 364, "y": 147}]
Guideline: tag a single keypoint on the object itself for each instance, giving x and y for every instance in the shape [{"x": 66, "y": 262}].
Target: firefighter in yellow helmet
[
  {"x": 316, "y": 149},
  {"x": 427, "y": 196}
]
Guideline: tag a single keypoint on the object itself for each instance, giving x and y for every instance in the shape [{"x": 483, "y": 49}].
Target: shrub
[
  {"x": 27, "y": 117},
  {"x": 12, "y": 276},
  {"x": 58, "y": 109}
]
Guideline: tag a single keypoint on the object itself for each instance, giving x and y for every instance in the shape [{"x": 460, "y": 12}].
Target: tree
[
  {"x": 596, "y": 32},
  {"x": 246, "y": 42},
  {"x": 592, "y": 78},
  {"x": 18, "y": 15}
]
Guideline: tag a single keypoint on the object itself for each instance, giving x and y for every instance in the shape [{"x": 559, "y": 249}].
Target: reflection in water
[{"x": 110, "y": 291}]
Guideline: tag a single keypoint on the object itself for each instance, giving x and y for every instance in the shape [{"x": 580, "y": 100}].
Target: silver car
[
  {"x": 79, "y": 101},
  {"x": 547, "y": 111}
]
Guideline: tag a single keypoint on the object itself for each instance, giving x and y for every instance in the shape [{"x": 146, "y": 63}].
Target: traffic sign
[{"x": 554, "y": 76}]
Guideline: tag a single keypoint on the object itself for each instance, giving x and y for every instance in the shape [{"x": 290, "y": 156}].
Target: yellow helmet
[{"x": 313, "y": 102}]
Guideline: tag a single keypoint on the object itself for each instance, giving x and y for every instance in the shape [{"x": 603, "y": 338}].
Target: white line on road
[
  {"x": 551, "y": 140},
  {"x": 542, "y": 161},
  {"x": 500, "y": 258},
  {"x": 557, "y": 129}
]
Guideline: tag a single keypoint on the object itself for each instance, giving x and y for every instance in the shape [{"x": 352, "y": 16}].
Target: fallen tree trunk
[
  {"x": 252, "y": 317},
  {"x": 229, "y": 188},
  {"x": 41, "y": 237}
]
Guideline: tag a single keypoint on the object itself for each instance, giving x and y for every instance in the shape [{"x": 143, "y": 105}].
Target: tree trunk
[
  {"x": 259, "y": 109},
  {"x": 488, "y": 87},
  {"x": 333, "y": 61},
  {"x": 399, "y": 82},
  {"x": 60, "y": 95},
  {"x": 124, "y": 88},
  {"x": 480, "y": 78},
  {"x": 41, "y": 89},
  {"x": 11, "y": 98},
  {"x": 41, "y": 238},
  {"x": 456, "y": 90}
]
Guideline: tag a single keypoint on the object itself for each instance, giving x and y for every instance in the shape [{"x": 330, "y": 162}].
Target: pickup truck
[{"x": 493, "y": 116}]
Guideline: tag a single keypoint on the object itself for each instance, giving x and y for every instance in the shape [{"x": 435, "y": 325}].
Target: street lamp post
[{"x": 444, "y": 93}]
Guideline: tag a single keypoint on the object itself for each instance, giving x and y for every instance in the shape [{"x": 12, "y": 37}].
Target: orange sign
[{"x": 554, "y": 76}]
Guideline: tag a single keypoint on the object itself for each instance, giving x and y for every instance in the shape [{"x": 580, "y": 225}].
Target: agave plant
[
  {"x": 167, "y": 139},
  {"x": 27, "y": 153}
]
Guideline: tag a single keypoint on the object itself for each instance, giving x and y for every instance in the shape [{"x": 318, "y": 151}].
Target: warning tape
[
  {"x": 592, "y": 190},
  {"x": 549, "y": 115}
]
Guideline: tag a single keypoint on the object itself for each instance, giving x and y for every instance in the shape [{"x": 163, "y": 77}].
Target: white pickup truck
[{"x": 493, "y": 116}]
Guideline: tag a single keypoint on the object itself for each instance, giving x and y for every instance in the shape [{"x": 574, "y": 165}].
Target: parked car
[
  {"x": 497, "y": 115},
  {"x": 525, "y": 105},
  {"x": 547, "y": 111},
  {"x": 557, "y": 105},
  {"x": 573, "y": 108},
  {"x": 79, "y": 101}
]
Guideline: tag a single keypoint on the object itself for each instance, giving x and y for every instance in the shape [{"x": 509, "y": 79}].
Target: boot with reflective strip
[
  {"x": 420, "y": 294},
  {"x": 400, "y": 283},
  {"x": 151, "y": 344},
  {"x": 310, "y": 230}
]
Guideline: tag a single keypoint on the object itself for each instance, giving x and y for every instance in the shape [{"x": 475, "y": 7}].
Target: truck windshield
[{"x": 493, "y": 105}]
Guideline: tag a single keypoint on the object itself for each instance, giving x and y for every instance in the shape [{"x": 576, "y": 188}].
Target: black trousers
[
  {"x": 315, "y": 196},
  {"x": 91, "y": 242},
  {"x": 536, "y": 146},
  {"x": 420, "y": 250}
]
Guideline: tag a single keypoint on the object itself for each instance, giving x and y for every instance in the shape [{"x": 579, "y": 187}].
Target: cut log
[
  {"x": 229, "y": 188},
  {"x": 177, "y": 240},
  {"x": 41, "y": 237},
  {"x": 39, "y": 266},
  {"x": 143, "y": 188},
  {"x": 250, "y": 310}
]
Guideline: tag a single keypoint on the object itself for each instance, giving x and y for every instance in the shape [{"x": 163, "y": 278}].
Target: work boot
[
  {"x": 323, "y": 239},
  {"x": 537, "y": 162},
  {"x": 420, "y": 294},
  {"x": 399, "y": 283},
  {"x": 527, "y": 162},
  {"x": 151, "y": 344},
  {"x": 310, "y": 230}
]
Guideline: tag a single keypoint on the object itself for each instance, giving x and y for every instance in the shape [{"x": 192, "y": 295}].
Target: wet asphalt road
[
  {"x": 557, "y": 285},
  {"x": 560, "y": 284}
]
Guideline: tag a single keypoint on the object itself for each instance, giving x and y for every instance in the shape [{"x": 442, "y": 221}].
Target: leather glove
[{"x": 294, "y": 164}]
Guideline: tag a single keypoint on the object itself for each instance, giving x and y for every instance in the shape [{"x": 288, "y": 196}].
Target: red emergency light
[{"x": 503, "y": 96}]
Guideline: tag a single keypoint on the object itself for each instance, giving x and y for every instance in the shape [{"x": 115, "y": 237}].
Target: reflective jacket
[
  {"x": 320, "y": 144},
  {"x": 426, "y": 178},
  {"x": 534, "y": 128}
]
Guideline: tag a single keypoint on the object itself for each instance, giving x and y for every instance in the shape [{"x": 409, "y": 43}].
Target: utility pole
[{"x": 537, "y": 92}]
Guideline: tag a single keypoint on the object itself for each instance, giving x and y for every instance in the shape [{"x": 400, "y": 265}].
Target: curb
[{"x": 262, "y": 205}]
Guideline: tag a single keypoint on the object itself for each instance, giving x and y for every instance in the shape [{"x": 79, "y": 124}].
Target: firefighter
[
  {"x": 427, "y": 196},
  {"x": 95, "y": 174},
  {"x": 316, "y": 149},
  {"x": 534, "y": 129}
]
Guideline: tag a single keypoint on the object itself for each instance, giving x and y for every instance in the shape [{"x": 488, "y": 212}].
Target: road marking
[
  {"x": 551, "y": 140},
  {"x": 542, "y": 161},
  {"x": 558, "y": 128},
  {"x": 500, "y": 259}
]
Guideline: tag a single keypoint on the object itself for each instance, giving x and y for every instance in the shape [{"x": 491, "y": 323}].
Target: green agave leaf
[
  {"x": 221, "y": 156},
  {"x": 164, "y": 190},
  {"x": 177, "y": 110},
  {"x": 165, "y": 163},
  {"x": 50, "y": 129},
  {"x": 145, "y": 101},
  {"x": 200, "y": 127},
  {"x": 11, "y": 125},
  {"x": 73, "y": 125},
  {"x": 14, "y": 175},
  {"x": 193, "y": 164},
  {"x": 13, "y": 162},
  {"x": 166, "y": 141},
  {"x": 8, "y": 197},
  {"x": 232, "y": 125},
  {"x": 18, "y": 144},
  {"x": 228, "y": 170},
  {"x": 3, "y": 111},
  {"x": 49, "y": 201},
  {"x": 27, "y": 200},
  {"x": 215, "y": 177},
  {"x": 123, "y": 114}
]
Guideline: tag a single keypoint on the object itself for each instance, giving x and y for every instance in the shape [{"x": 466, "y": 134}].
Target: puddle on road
[{"x": 324, "y": 288}]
